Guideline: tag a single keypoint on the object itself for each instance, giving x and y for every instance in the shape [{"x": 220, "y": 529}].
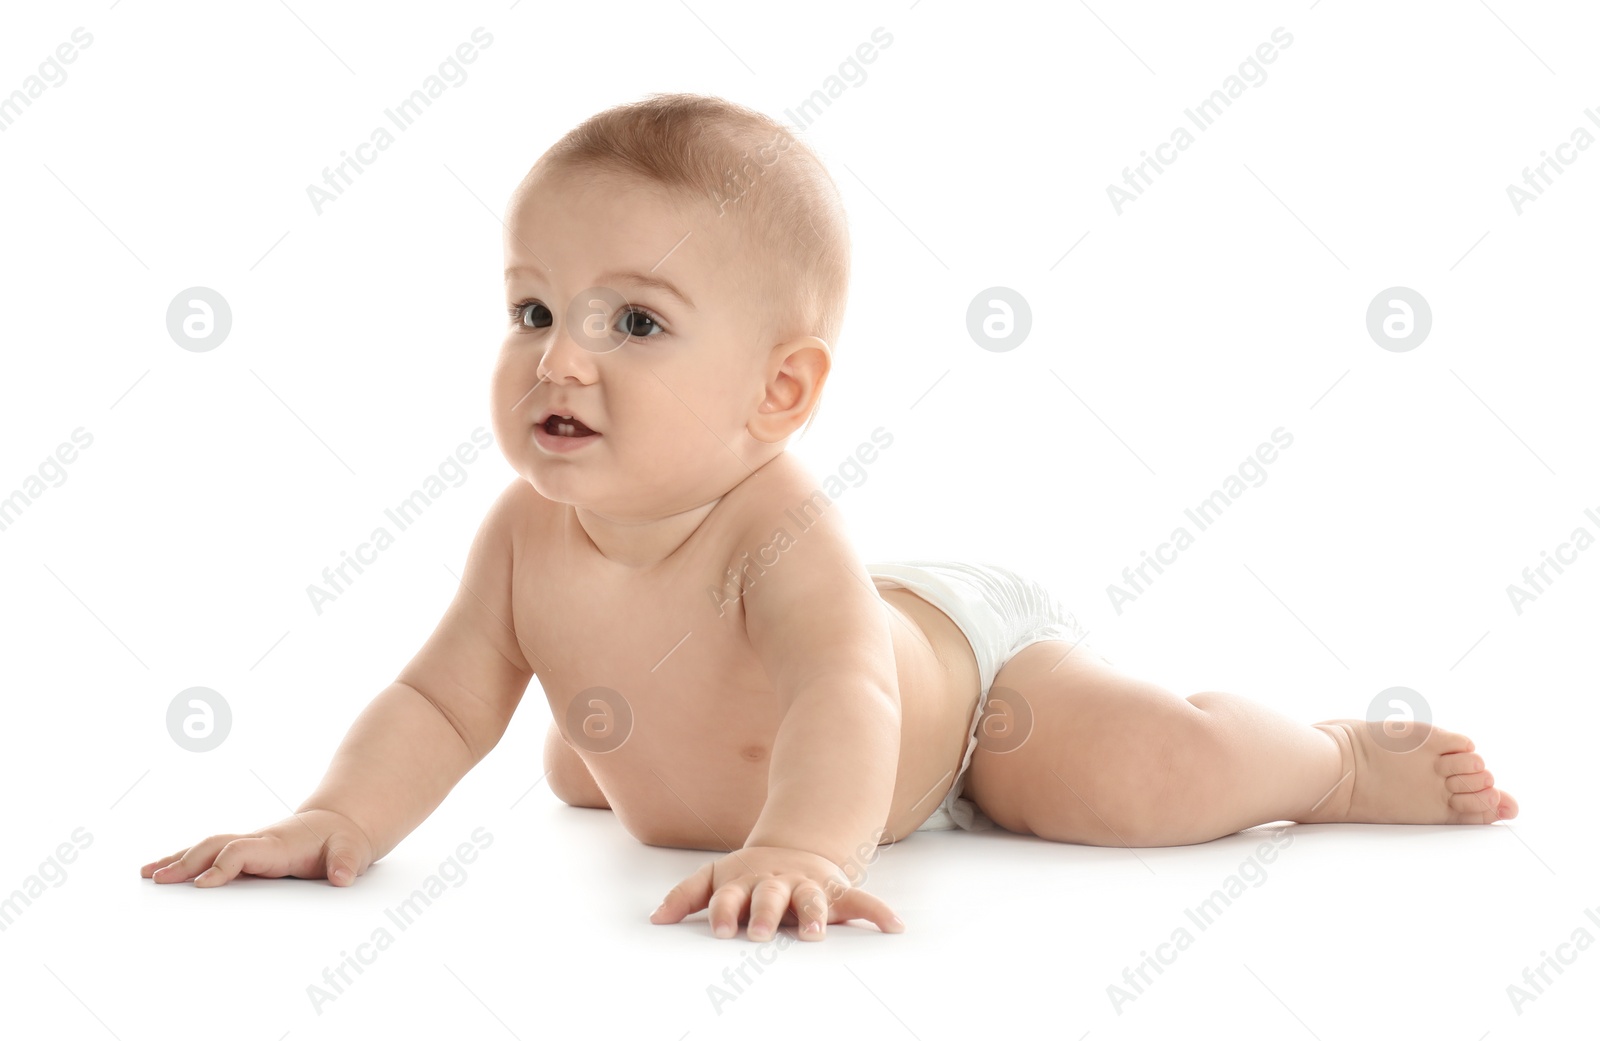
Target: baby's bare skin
[
  {"x": 725, "y": 688},
  {"x": 691, "y": 770}
]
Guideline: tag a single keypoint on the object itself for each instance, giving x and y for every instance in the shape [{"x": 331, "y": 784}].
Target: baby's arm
[
  {"x": 446, "y": 710},
  {"x": 410, "y": 746},
  {"x": 822, "y": 634}
]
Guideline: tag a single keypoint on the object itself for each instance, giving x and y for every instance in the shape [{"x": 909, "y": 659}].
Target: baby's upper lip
[{"x": 562, "y": 410}]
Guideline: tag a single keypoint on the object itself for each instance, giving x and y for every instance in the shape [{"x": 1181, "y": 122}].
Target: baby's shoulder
[
  {"x": 781, "y": 483},
  {"x": 519, "y": 518},
  {"x": 780, "y": 501}
]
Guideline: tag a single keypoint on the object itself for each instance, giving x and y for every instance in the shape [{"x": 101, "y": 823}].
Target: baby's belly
[{"x": 693, "y": 772}]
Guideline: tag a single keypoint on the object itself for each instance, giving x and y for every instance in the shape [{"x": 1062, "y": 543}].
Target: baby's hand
[
  {"x": 313, "y": 844},
  {"x": 765, "y": 880}
]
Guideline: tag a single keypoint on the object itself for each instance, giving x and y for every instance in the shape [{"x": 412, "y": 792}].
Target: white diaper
[{"x": 1000, "y": 612}]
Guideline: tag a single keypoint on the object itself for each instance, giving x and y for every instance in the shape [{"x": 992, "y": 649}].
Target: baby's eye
[
  {"x": 640, "y": 317},
  {"x": 531, "y": 314}
]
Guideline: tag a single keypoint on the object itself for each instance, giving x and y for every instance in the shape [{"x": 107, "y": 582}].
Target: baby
[{"x": 723, "y": 672}]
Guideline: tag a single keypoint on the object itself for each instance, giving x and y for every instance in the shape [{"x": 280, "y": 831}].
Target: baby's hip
[
  {"x": 939, "y": 684},
  {"x": 997, "y": 610}
]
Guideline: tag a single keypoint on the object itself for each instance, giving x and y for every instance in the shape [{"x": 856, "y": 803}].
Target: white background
[{"x": 1167, "y": 342}]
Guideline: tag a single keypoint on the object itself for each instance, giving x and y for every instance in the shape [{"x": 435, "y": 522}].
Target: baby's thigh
[{"x": 1074, "y": 750}]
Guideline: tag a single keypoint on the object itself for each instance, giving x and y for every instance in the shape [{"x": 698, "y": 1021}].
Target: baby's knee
[{"x": 1175, "y": 783}]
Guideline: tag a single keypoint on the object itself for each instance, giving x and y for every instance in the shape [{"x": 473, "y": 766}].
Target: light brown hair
[{"x": 749, "y": 168}]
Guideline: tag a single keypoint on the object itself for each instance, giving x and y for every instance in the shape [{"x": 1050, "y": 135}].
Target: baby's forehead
[
  {"x": 616, "y": 213},
  {"x": 587, "y": 189}
]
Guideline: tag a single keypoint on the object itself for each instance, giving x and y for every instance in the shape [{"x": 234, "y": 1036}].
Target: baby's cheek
[{"x": 512, "y": 369}]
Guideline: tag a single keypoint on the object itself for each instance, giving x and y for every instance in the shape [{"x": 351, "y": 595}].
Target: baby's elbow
[{"x": 569, "y": 778}]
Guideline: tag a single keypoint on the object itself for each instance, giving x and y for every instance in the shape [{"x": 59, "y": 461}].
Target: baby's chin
[
  {"x": 559, "y": 480},
  {"x": 553, "y": 479}
]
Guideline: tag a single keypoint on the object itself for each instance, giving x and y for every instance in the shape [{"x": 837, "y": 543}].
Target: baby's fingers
[
  {"x": 191, "y": 862},
  {"x": 253, "y": 856},
  {"x": 858, "y": 903},
  {"x": 810, "y": 910},
  {"x": 344, "y": 862},
  {"x": 686, "y": 897},
  {"x": 156, "y": 865}
]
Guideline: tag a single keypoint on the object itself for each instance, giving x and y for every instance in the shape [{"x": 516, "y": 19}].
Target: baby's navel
[{"x": 755, "y": 753}]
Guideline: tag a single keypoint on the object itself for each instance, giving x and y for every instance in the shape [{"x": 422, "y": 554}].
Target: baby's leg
[{"x": 1110, "y": 760}]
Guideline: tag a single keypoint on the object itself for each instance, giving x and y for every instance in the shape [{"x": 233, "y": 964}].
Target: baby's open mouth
[{"x": 567, "y": 426}]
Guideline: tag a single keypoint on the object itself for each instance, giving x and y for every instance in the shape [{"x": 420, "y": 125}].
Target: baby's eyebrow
[
  {"x": 636, "y": 278},
  {"x": 649, "y": 281}
]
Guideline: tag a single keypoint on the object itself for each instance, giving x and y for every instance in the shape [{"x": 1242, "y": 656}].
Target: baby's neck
[{"x": 635, "y": 542}]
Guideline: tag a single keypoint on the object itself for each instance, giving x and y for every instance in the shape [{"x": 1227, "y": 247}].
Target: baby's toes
[
  {"x": 1459, "y": 763},
  {"x": 1474, "y": 782},
  {"x": 1476, "y": 807},
  {"x": 1507, "y": 808},
  {"x": 1450, "y": 742}
]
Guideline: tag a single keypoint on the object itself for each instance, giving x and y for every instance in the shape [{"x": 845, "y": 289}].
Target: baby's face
[{"x": 667, "y": 377}]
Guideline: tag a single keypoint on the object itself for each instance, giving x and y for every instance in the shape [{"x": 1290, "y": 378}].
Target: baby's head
[{"x": 676, "y": 278}]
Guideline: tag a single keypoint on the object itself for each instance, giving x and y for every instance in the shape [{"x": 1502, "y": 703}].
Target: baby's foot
[{"x": 1408, "y": 773}]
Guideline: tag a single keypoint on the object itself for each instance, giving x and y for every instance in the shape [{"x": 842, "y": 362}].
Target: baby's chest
[
  {"x": 658, "y": 668},
  {"x": 647, "y": 633}
]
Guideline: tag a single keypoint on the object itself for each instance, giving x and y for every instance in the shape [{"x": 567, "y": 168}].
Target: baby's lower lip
[{"x": 557, "y": 443}]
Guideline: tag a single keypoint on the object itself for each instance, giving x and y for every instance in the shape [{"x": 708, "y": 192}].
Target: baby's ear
[{"x": 796, "y": 372}]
